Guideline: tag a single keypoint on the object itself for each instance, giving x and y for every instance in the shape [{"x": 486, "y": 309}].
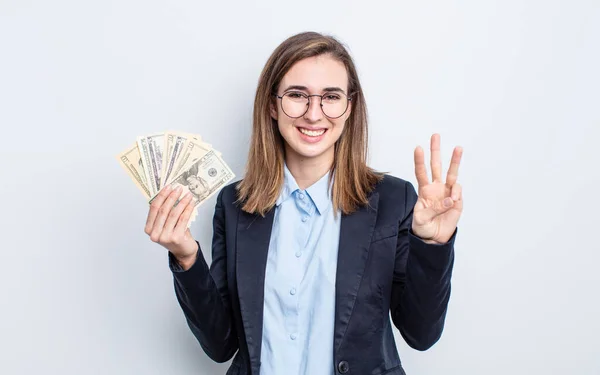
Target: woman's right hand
[{"x": 167, "y": 224}]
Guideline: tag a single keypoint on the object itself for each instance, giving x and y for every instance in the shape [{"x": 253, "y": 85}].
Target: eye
[
  {"x": 332, "y": 97},
  {"x": 295, "y": 94}
]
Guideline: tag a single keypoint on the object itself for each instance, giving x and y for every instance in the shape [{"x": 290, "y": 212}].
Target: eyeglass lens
[{"x": 295, "y": 104}]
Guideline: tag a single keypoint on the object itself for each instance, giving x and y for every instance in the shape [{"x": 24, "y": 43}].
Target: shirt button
[
  {"x": 301, "y": 196},
  {"x": 293, "y": 291},
  {"x": 304, "y": 218},
  {"x": 343, "y": 367},
  {"x": 293, "y": 336},
  {"x": 298, "y": 254}
]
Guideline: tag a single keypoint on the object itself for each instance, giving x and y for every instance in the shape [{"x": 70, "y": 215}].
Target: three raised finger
[
  {"x": 436, "y": 159},
  {"x": 420, "y": 169},
  {"x": 456, "y": 192},
  {"x": 452, "y": 174}
]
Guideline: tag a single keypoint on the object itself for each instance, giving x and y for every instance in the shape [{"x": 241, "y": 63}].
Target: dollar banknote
[
  {"x": 192, "y": 151},
  {"x": 131, "y": 161},
  {"x": 151, "y": 150},
  {"x": 174, "y": 144},
  {"x": 178, "y": 159},
  {"x": 203, "y": 178}
]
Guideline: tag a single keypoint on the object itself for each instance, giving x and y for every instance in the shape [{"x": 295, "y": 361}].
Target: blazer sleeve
[
  {"x": 202, "y": 293},
  {"x": 421, "y": 282}
]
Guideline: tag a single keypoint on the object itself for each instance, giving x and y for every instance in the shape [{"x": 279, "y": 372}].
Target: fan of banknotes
[{"x": 177, "y": 159}]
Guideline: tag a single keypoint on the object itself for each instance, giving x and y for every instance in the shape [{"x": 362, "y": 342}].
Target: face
[
  {"x": 313, "y": 136},
  {"x": 195, "y": 186}
]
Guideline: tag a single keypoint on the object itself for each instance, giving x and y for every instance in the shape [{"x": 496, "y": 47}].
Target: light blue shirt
[{"x": 299, "y": 302}]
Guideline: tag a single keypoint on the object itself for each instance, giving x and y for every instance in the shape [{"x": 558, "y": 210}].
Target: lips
[
  {"x": 311, "y": 136},
  {"x": 312, "y": 132}
]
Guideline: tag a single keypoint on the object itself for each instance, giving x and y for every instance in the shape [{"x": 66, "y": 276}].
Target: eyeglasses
[{"x": 295, "y": 104}]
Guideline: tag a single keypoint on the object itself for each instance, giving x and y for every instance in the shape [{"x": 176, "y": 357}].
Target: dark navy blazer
[{"x": 383, "y": 270}]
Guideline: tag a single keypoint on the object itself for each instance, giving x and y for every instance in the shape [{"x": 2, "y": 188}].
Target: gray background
[{"x": 516, "y": 83}]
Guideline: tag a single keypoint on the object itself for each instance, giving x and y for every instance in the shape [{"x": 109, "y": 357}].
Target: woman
[{"x": 312, "y": 250}]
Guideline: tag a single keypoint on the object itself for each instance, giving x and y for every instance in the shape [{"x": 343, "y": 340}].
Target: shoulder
[
  {"x": 392, "y": 187},
  {"x": 228, "y": 194},
  {"x": 396, "y": 196}
]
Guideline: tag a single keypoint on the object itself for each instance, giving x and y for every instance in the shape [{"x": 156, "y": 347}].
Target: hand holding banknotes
[
  {"x": 167, "y": 224},
  {"x": 176, "y": 172}
]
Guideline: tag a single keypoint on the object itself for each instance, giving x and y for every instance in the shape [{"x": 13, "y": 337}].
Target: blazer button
[{"x": 343, "y": 367}]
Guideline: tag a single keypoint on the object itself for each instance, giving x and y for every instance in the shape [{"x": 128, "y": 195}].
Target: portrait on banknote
[{"x": 195, "y": 183}]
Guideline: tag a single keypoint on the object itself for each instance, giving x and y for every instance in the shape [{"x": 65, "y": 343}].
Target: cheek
[
  {"x": 281, "y": 116},
  {"x": 339, "y": 126},
  {"x": 284, "y": 124}
]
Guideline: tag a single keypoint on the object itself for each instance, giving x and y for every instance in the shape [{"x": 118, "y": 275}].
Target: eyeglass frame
[{"x": 348, "y": 98}]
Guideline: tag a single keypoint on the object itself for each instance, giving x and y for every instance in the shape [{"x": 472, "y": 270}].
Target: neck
[{"x": 307, "y": 171}]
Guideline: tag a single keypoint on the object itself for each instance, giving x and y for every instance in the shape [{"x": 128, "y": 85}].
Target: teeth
[{"x": 312, "y": 133}]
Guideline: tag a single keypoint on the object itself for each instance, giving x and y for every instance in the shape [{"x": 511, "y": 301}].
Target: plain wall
[{"x": 516, "y": 83}]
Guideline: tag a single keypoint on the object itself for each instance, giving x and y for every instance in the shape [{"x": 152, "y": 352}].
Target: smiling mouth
[{"x": 312, "y": 133}]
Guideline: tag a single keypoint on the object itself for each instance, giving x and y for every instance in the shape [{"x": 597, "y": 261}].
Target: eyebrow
[{"x": 304, "y": 88}]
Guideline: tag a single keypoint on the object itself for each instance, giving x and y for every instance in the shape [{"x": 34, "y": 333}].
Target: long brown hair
[{"x": 353, "y": 180}]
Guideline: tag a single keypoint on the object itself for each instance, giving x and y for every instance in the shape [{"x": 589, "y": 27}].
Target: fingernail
[
  {"x": 448, "y": 202},
  {"x": 168, "y": 187}
]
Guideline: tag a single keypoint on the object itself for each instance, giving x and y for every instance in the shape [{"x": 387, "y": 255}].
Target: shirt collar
[
  {"x": 289, "y": 185},
  {"x": 319, "y": 192}
]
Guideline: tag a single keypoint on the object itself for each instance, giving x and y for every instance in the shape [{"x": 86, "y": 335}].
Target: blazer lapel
[
  {"x": 355, "y": 236},
  {"x": 252, "y": 243}
]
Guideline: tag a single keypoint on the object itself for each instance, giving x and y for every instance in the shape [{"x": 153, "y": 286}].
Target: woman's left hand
[{"x": 440, "y": 203}]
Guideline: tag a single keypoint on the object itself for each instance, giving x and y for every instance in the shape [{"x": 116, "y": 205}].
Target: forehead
[{"x": 317, "y": 73}]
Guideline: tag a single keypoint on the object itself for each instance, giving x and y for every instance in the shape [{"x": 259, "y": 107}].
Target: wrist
[
  {"x": 429, "y": 241},
  {"x": 187, "y": 261}
]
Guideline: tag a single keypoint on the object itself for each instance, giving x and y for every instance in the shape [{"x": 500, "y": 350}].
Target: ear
[{"x": 273, "y": 110}]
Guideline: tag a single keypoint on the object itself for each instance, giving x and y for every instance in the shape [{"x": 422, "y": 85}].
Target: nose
[{"x": 314, "y": 112}]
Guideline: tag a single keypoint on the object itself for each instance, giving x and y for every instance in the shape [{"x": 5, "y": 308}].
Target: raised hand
[{"x": 440, "y": 204}]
